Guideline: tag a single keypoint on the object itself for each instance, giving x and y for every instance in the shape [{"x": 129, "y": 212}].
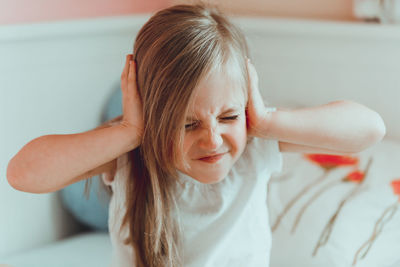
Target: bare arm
[
  {"x": 51, "y": 162},
  {"x": 336, "y": 127}
]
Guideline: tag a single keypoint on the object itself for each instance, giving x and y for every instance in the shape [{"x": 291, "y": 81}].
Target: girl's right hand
[{"x": 132, "y": 109}]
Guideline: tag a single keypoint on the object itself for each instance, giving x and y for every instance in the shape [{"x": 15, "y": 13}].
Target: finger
[
  {"x": 253, "y": 77},
  {"x": 254, "y": 94},
  {"x": 250, "y": 77},
  {"x": 132, "y": 74},
  {"x": 249, "y": 71},
  {"x": 126, "y": 67}
]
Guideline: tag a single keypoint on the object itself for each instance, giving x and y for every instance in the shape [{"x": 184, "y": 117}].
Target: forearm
[
  {"x": 340, "y": 126},
  {"x": 52, "y": 161}
]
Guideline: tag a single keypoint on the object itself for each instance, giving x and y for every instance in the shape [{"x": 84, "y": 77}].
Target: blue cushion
[{"x": 93, "y": 212}]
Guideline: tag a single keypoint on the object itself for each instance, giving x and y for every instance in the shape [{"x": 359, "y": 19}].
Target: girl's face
[{"x": 215, "y": 129}]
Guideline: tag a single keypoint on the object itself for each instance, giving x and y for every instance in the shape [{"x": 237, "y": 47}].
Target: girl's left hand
[{"x": 256, "y": 113}]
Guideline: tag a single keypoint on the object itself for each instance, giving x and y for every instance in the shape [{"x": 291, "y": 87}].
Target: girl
[{"x": 189, "y": 159}]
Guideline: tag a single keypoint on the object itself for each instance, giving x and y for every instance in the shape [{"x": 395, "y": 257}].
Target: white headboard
[
  {"x": 55, "y": 78},
  {"x": 303, "y": 63}
]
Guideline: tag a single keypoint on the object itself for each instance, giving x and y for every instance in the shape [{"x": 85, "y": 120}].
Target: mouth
[{"x": 213, "y": 158}]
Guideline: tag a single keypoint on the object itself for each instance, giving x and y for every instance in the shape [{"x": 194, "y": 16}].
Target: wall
[
  {"x": 52, "y": 81},
  {"x": 341, "y": 10},
  {"x": 27, "y": 11}
]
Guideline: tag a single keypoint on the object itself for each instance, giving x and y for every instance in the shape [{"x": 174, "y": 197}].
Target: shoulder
[
  {"x": 261, "y": 154},
  {"x": 119, "y": 166}
]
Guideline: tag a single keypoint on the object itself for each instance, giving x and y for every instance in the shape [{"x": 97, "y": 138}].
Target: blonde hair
[{"x": 175, "y": 49}]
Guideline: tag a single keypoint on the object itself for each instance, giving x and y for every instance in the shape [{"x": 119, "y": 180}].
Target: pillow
[
  {"x": 93, "y": 212},
  {"x": 343, "y": 226}
]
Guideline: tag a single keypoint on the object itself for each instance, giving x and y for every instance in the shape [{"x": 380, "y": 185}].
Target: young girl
[{"x": 189, "y": 159}]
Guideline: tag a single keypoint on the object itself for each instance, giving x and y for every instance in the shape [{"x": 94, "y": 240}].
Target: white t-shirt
[{"x": 224, "y": 224}]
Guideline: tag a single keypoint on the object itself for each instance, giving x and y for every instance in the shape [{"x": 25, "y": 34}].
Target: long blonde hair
[{"x": 174, "y": 51}]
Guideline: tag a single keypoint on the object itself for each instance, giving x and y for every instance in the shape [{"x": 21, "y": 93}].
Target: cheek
[
  {"x": 239, "y": 134},
  {"x": 184, "y": 154},
  {"x": 187, "y": 144},
  {"x": 243, "y": 132}
]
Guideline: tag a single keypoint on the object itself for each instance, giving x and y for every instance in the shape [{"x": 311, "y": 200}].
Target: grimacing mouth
[{"x": 212, "y": 155}]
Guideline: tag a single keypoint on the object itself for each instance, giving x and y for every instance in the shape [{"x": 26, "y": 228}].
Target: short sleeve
[
  {"x": 107, "y": 178},
  {"x": 261, "y": 155},
  {"x": 276, "y": 164},
  {"x": 266, "y": 154},
  {"x": 271, "y": 109},
  {"x": 110, "y": 177}
]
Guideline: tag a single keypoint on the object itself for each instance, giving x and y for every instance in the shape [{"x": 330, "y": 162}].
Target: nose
[{"x": 212, "y": 139}]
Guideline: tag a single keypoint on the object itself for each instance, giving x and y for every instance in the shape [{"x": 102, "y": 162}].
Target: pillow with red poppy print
[{"x": 337, "y": 210}]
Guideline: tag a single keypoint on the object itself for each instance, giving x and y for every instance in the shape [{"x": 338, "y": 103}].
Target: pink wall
[
  {"x": 341, "y": 10},
  {"x": 27, "y": 11}
]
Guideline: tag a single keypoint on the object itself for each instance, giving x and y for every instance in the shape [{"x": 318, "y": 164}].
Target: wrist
[
  {"x": 131, "y": 134},
  {"x": 263, "y": 125}
]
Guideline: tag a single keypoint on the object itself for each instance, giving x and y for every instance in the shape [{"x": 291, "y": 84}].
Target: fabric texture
[
  {"x": 351, "y": 223},
  {"x": 85, "y": 249},
  {"x": 224, "y": 224}
]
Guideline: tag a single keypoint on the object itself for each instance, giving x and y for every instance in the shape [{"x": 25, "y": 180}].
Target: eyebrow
[{"x": 229, "y": 110}]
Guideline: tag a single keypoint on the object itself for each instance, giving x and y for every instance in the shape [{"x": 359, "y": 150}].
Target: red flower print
[
  {"x": 331, "y": 161},
  {"x": 396, "y": 186},
  {"x": 328, "y": 163},
  {"x": 355, "y": 177}
]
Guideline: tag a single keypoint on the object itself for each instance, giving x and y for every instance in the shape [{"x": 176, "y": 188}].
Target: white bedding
[{"x": 88, "y": 249}]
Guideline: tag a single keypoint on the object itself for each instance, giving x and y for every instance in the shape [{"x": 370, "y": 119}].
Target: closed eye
[
  {"x": 230, "y": 118},
  {"x": 191, "y": 126},
  {"x": 195, "y": 124}
]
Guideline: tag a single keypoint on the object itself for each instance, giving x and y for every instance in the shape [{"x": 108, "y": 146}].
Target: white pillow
[{"x": 354, "y": 224}]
